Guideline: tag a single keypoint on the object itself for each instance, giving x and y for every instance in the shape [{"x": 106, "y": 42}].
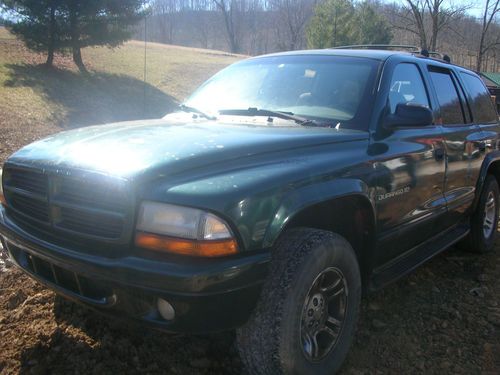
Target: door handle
[{"x": 439, "y": 154}]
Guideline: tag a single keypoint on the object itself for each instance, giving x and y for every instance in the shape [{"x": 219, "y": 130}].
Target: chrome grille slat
[{"x": 78, "y": 206}]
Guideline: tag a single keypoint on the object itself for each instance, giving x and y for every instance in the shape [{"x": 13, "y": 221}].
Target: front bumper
[{"x": 207, "y": 294}]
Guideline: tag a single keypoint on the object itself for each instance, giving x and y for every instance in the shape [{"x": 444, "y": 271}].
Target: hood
[{"x": 129, "y": 149}]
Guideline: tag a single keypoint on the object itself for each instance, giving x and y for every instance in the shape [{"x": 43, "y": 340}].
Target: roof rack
[
  {"x": 380, "y": 46},
  {"x": 439, "y": 55},
  {"x": 412, "y": 49}
]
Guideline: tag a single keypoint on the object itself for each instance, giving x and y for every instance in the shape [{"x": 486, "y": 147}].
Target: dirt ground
[{"x": 444, "y": 318}]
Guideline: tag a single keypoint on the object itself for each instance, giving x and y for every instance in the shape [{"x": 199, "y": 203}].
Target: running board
[{"x": 413, "y": 258}]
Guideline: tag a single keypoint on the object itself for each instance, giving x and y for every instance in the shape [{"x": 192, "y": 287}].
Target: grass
[{"x": 36, "y": 101}]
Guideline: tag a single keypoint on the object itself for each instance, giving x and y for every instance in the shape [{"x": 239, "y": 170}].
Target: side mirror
[{"x": 409, "y": 115}]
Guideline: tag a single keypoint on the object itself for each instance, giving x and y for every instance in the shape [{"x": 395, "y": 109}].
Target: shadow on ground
[
  {"x": 88, "y": 343},
  {"x": 93, "y": 98}
]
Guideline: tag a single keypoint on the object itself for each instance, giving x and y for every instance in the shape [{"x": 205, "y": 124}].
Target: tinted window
[
  {"x": 451, "y": 107},
  {"x": 482, "y": 106},
  {"x": 407, "y": 87}
]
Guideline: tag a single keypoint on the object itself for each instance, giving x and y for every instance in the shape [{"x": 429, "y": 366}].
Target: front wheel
[{"x": 306, "y": 317}]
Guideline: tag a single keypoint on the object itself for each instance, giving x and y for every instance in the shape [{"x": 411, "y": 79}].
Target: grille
[{"x": 95, "y": 207}]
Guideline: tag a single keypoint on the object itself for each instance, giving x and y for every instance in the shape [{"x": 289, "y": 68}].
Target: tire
[
  {"x": 479, "y": 239},
  {"x": 276, "y": 339}
]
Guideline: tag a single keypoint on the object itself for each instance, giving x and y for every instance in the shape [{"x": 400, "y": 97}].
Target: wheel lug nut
[
  {"x": 310, "y": 312},
  {"x": 315, "y": 302}
]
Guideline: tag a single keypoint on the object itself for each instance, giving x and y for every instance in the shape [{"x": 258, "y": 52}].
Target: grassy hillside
[{"x": 35, "y": 101}]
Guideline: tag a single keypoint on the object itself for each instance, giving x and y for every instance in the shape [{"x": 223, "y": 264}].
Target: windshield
[{"x": 331, "y": 89}]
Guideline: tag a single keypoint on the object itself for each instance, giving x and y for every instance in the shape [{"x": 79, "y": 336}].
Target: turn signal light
[{"x": 211, "y": 248}]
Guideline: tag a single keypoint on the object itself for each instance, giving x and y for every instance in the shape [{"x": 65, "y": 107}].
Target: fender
[
  {"x": 299, "y": 199},
  {"x": 491, "y": 158}
]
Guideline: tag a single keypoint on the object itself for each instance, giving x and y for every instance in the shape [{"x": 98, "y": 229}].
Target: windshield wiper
[
  {"x": 252, "y": 111},
  {"x": 199, "y": 112}
]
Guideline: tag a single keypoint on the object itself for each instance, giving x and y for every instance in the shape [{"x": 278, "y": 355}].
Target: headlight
[{"x": 183, "y": 230}]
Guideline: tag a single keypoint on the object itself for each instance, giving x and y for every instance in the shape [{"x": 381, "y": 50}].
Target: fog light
[{"x": 166, "y": 309}]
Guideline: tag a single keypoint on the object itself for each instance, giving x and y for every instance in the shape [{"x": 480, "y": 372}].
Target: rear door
[
  {"x": 464, "y": 143},
  {"x": 483, "y": 111}
]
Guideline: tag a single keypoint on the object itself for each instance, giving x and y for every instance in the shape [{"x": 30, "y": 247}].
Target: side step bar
[{"x": 413, "y": 258}]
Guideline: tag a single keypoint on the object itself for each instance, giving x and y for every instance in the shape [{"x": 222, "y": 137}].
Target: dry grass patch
[{"x": 36, "y": 101}]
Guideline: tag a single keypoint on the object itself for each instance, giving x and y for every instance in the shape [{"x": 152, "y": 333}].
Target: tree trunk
[
  {"x": 52, "y": 37},
  {"x": 75, "y": 41},
  {"x": 233, "y": 44},
  {"x": 77, "y": 58},
  {"x": 229, "y": 23},
  {"x": 50, "y": 57},
  {"x": 418, "y": 15},
  {"x": 435, "y": 14}
]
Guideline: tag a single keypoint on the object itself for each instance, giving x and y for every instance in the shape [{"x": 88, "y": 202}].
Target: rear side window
[
  {"x": 447, "y": 95},
  {"x": 481, "y": 105},
  {"x": 407, "y": 87}
]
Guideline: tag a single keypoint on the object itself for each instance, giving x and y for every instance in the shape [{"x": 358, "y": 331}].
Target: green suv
[{"x": 282, "y": 189}]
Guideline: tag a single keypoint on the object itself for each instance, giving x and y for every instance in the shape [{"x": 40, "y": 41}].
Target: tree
[
  {"x": 70, "y": 25},
  {"x": 37, "y": 25},
  {"x": 491, "y": 11},
  {"x": 370, "y": 26},
  {"x": 331, "y": 24},
  {"x": 340, "y": 22},
  {"x": 167, "y": 14},
  {"x": 99, "y": 23},
  {"x": 230, "y": 11},
  {"x": 427, "y": 18},
  {"x": 292, "y": 17}
]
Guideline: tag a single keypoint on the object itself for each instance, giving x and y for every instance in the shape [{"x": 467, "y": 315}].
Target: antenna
[{"x": 145, "y": 64}]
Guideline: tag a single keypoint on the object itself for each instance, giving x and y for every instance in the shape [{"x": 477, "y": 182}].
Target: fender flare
[
  {"x": 305, "y": 197},
  {"x": 491, "y": 158}
]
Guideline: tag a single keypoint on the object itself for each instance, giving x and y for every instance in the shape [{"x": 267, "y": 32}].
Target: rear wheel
[
  {"x": 306, "y": 318},
  {"x": 484, "y": 221}
]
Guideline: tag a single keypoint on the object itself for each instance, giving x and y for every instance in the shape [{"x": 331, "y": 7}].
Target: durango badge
[{"x": 392, "y": 194}]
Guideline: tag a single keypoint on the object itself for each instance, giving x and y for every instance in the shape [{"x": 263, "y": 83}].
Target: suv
[{"x": 283, "y": 187}]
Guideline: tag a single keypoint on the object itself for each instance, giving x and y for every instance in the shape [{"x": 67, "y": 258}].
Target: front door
[{"x": 410, "y": 173}]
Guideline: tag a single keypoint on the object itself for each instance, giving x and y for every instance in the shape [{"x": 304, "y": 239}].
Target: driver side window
[{"x": 407, "y": 87}]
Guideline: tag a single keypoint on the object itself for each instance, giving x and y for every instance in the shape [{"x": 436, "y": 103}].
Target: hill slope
[{"x": 35, "y": 101}]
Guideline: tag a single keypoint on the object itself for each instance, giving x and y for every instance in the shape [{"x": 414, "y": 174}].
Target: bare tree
[
  {"x": 229, "y": 9},
  {"x": 262, "y": 26},
  {"x": 427, "y": 18},
  {"x": 166, "y": 11},
  {"x": 291, "y": 19},
  {"x": 491, "y": 10}
]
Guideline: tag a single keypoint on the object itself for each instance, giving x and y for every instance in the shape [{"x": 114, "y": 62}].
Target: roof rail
[
  {"x": 439, "y": 55},
  {"x": 412, "y": 49}
]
